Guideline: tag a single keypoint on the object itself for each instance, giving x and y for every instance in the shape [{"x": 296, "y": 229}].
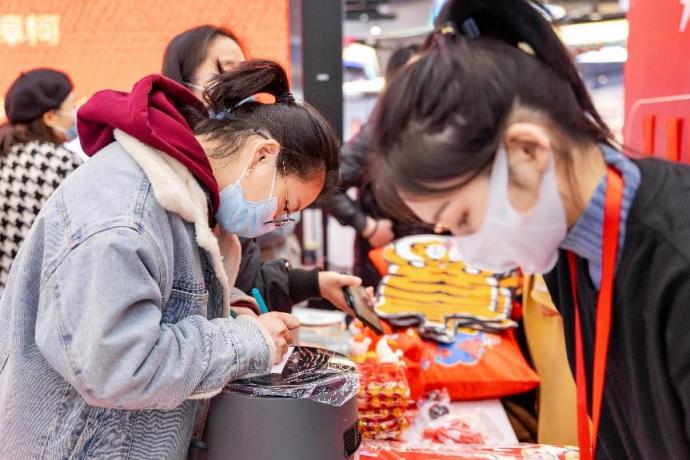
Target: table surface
[{"x": 491, "y": 415}]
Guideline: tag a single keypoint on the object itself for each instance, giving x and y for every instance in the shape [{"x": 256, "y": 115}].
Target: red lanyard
[{"x": 612, "y": 217}]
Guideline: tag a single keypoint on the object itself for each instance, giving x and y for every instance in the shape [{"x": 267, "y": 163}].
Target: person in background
[
  {"x": 375, "y": 227},
  {"x": 40, "y": 109},
  {"x": 119, "y": 313},
  {"x": 193, "y": 58},
  {"x": 492, "y": 134}
]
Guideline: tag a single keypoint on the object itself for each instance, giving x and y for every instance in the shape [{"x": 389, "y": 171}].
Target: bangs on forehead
[
  {"x": 419, "y": 161},
  {"x": 387, "y": 195}
]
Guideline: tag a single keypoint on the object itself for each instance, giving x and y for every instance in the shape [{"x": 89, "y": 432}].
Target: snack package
[
  {"x": 478, "y": 365},
  {"x": 383, "y": 399},
  {"x": 387, "y": 450},
  {"x": 451, "y": 429},
  {"x": 433, "y": 405}
]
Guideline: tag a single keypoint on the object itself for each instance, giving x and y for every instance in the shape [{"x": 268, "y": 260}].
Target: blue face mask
[
  {"x": 71, "y": 132},
  {"x": 248, "y": 219}
]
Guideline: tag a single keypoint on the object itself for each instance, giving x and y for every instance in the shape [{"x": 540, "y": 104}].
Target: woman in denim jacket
[{"x": 117, "y": 312}]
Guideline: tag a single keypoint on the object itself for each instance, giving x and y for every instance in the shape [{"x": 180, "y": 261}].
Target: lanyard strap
[{"x": 612, "y": 218}]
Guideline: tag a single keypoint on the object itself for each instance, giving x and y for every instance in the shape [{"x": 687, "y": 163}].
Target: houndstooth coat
[{"x": 29, "y": 174}]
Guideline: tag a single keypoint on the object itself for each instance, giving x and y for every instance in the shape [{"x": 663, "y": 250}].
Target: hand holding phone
[{"x": 360, "y": 302}]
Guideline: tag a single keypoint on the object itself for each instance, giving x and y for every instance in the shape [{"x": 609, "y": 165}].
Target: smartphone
[{"x": 358, "y": 301}]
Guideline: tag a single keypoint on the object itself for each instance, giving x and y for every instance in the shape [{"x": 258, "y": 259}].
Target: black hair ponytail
[
  {"x": 309, "y": 145},
  {"x": 229, "y": 89},
  {"x": 519, "y": 23},
  {"x": 442, "y": 118}
]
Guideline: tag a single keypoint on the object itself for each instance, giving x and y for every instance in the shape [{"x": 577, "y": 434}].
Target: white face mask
[{"x": 509, "y": 239}]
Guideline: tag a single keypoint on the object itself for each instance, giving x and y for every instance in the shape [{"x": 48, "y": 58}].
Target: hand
[
  {"x": 279, "y": 325},
  {"x": 331, "y": 286},
  {"x": 372, "y": 295},
  {"x": 382, "y": 232}
]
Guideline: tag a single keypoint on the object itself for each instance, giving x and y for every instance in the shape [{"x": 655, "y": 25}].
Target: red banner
[
  {"x": 657, "y": 79},
  {"x": 111, "y": 44}
]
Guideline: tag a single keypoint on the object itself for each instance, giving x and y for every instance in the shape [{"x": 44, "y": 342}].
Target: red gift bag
[{"x": 478, "y": 365}]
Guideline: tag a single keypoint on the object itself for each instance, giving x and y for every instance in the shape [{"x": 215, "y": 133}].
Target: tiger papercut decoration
[{"x": 428, "y": 286}]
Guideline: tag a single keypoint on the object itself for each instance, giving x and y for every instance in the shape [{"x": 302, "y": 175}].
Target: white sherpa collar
[{"x": 178, "y": 191}]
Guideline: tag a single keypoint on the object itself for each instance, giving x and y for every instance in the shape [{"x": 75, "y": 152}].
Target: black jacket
[
  {"x": 646, "y": 404},
  {"x": 353, "y": 158},
  {"x": 354, "y": 173},
  {"x": 281, "y": 285},
  {"x": 354, "y": 213}
]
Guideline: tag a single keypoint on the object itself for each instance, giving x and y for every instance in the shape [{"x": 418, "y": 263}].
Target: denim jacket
[{"x": 114, "y": 321}]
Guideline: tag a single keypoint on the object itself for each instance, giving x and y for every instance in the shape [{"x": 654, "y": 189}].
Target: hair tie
[
  {"x": 285, "y": 98},
  {"x": 470, "y": 29},
  {"x": 448, "y": 29},
  {"x": 260, "y": 98},
  {"x": 213, "y": 115}
]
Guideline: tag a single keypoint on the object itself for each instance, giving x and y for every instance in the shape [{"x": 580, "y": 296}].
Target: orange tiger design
[{"x": 426, "y": 276}]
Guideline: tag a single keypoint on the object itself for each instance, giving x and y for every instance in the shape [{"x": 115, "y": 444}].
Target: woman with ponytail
[
  {"x": 192, "y": 59},
  {"x": 119, "y": 311},
  {"x": 492, "y": 135}
]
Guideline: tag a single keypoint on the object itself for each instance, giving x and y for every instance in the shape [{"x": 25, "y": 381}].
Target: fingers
[
  {"x": 349, "y": 280},
  {"x": 281, "y": 349},
  {"x": 348, "y": 311},
  {"x": 339, "y": 301},
  {"x": 371, "y": 294},
  {"x": 290, "y": 338},
  {"x": 290, "y": 321}
]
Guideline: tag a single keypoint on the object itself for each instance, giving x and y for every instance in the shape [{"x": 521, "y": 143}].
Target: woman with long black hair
[
  {"x": 492, "y": 135},
  {"x": 193, "y": 58}
]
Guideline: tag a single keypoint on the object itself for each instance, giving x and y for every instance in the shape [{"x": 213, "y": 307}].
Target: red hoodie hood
[{"x": 150, "y": 113}]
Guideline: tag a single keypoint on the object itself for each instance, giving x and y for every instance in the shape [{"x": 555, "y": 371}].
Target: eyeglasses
[{"x": 284, "y": 218}]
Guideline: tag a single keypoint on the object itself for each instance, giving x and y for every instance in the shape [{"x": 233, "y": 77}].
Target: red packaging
[{"x": 383, "y": 400}]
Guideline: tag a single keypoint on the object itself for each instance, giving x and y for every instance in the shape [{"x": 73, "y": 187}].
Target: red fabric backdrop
[
  {"x": 657, "y": 78},
  {"x": 111, "y": 44}
]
